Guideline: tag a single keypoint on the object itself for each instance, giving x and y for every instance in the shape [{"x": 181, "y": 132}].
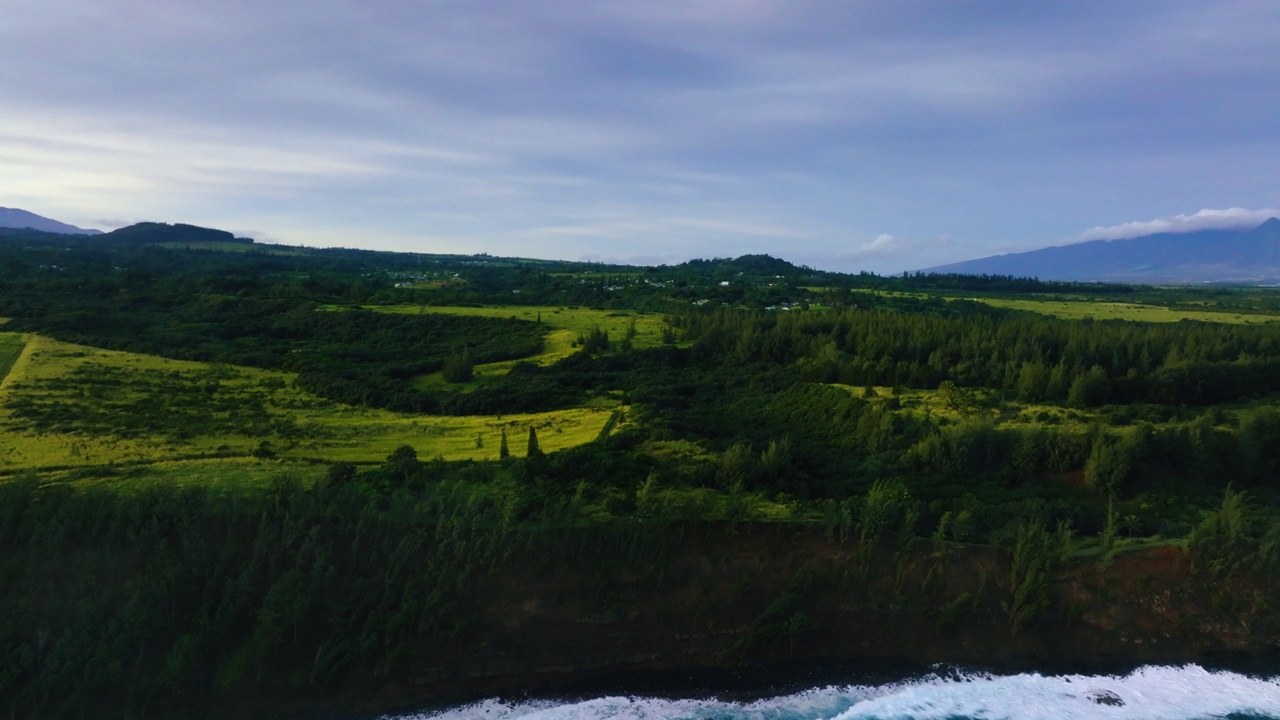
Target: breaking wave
[{"x": 1149, "y": 693}]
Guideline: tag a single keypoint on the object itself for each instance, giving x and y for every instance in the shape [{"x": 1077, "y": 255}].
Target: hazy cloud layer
[
  {"x": 664, "y": 129},
  {"x": 1203, "y": 220}
]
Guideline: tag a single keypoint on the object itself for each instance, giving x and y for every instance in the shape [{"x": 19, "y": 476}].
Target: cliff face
[{"x": 789, "y": 596}]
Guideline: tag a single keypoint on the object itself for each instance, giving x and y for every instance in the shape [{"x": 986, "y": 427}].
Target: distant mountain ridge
[
  {"x": 1231, "y": 256},
  {"x": 22, "y": 223},
  {"x": 16, "y": 218}
]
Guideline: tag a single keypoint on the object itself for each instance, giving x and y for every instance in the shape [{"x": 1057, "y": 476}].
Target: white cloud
[
  {"x": 884, "y": 244},
  {"x": 1204, "y": 220},
  {"x": 672, "y": 128}
]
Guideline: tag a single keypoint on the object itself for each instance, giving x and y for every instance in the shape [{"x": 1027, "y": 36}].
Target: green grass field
[
  {"x": 234, "y": 247},
  {"x": 69, "y": 406},
  {"x": 565, "y": 323},
  {"x": 1070, "y": 310},
  {"x": 11, "y": 345},
  {"x": 1080, "y": 309},
  {"x": 217, "y": 475}
]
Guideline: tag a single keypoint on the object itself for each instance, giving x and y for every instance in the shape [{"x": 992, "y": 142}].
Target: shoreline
[{"x": 775, "y": 680}]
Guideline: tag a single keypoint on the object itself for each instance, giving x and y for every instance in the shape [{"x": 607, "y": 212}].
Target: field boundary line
[{"x": 23, "y": 359}]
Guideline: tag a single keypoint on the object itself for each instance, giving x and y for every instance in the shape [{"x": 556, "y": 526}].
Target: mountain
[
  {"x": 15, "y": 218},
  {"x": 1245, "y": 256}
]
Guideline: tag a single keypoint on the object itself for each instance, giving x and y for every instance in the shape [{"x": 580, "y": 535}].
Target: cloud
[
  {"x": 111, "y": 223},
  {"x": 1206, "y": 219},
  {"x": 665, "y": 129},
  {"x": 884, "y": 244},
  {"x": 259, "y": 236},
  {"x": 886, "y": 253},
  {"x": 634, "y": 259}
]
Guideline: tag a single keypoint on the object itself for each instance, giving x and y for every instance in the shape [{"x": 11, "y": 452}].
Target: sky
[{"x": 845, "y": 134}]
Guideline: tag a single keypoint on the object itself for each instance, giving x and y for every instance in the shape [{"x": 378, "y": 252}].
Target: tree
[
  {"x": 955, "y": 398},
  {"x": 1108, "y": 466},
  {"x": 340, "y": 473},
  {"x": 775, "y": 461},
  {"x": 1089, "y": 388},
  {"x": 533, "y": 449},
  {"x": 1032, "y": 378},
  {"x": 738, "y": 466},
  {"x": 404, "y": 462},
  {"x": 594, "y": 342},
  {"x": 504, "y": 450},
  {"x": 458, "y": 367}
]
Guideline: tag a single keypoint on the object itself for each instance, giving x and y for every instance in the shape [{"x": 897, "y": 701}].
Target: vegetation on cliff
[{"x": 246, "y": 469}]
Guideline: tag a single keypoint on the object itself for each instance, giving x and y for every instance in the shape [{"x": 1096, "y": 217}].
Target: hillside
[
  {"x": 155, "y": 233},
  {"x": 1226, "y": 256},
  {"x": 248, "y": 481}
]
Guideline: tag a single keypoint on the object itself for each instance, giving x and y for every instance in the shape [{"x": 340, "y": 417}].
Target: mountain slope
[
  {"x": 1204, "y": 256},
  {"x": 15, "y": 218}
]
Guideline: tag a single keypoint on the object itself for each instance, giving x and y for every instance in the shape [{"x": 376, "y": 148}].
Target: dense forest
[{"x": 879, "y": 412}]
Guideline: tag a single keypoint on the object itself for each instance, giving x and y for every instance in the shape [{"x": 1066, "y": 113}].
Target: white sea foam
[{"x": 1150, "y": 693}]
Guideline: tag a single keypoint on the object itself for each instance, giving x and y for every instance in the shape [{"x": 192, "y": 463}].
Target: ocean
[{"x": 1149, "y": 693}]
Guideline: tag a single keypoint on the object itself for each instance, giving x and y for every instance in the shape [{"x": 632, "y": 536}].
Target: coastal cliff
[{"x": 724, "y": 601}]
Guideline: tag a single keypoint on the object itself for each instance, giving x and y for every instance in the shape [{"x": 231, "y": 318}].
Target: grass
[
  {"x": 597, "y": 274},
  {"x": 235, "y": 247},
  {"x": 1081, "y": 309},
  {"x": 219, "y": 475},
  {"x": 566, "y": 324},
  {"x": 11, "y": 346},
  {"x": 1136, "y": 312},
  {"x": 68, "y": 406}
]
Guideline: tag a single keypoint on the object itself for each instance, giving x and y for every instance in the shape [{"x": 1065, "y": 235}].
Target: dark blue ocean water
[{"x": 1149, "y": 693}]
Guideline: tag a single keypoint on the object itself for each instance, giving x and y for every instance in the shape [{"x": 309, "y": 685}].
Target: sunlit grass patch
[
  {"x": 885, "y": 293},
  {"x": 11, "y": 346},
  {"x": 234, "y": 247},
  {"x": 372, "y": 435},
  {"x": 68, "y": 406},
  {"x": 1137, "y": 312},
  {"x": 1080, "y": 308},
  {"x": 222, "y": 475},
  {"x": 566, "y": 325}
]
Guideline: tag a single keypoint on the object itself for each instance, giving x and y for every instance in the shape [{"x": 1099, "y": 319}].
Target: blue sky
[{"x": 845, "y": 135}]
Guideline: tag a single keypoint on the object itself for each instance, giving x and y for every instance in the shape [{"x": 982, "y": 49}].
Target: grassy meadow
[
  {"x": 1137, "y": 312},
  {"x": 66, "y": 406},
  {"x": 11, "y": 345},
  {"x": 234, "y": 247},
  {"x": 566, "y": 325},
  {"x": 1080, "y": 308}
]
